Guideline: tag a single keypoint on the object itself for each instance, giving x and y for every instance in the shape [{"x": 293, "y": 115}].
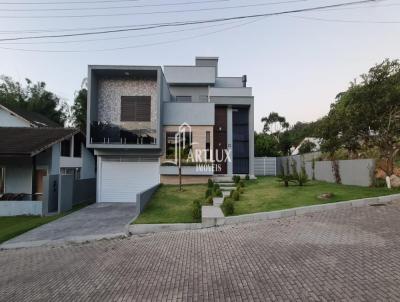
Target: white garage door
[{"x": 121, "y": 181}]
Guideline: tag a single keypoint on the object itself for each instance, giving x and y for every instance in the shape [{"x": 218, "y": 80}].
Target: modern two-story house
[{"x": 140, "y": 118}]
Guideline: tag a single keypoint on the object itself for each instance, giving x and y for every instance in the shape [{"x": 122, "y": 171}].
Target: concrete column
[{"x": 230, "y": 139}]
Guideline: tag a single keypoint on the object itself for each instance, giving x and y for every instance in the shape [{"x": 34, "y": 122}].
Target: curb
[
  {"x": 141, "y": 229},
  {"x": 59, "y": 242},
  {"x": 310, "y": 209}
]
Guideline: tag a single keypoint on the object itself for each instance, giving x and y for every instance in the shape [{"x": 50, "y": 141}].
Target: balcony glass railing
[{"x": 108, "y": 133}]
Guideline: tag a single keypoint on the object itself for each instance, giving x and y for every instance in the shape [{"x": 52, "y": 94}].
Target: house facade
[
  {"x": 34, "y": 147},
  {"x": 141, "y": 117}
]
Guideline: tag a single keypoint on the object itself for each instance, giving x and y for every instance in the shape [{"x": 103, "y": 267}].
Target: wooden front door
[
  {"x": 39, "y": 174},
  {"x": 220, "y": 139}
]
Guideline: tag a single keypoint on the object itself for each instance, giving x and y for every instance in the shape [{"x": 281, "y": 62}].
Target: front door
[
  {"x": 220, "y": 139},
  {"x": 39, "y": 174}
]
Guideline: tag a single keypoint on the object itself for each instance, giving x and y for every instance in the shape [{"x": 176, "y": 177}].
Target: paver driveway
[
  {"x": 348, "y": 254},
  {"x": 99, "y": 220}
]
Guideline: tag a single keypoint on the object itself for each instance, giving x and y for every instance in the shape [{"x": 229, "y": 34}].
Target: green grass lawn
[
  {"x": 169, "y": 205},
  {"x": 267, "y": 194},
  {"x": 11, "y": 227}
]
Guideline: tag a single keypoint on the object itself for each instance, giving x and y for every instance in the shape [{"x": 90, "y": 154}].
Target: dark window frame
[{"x": 66, "y": 148}]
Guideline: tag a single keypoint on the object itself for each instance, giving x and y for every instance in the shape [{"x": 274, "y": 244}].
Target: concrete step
[
  {"x": 227, "y": 188},
  {"x": 226, "y": 184},
  {"x": 217, "y": 201},
  {"x": 219, "y": 179},
  {"x": 226, "y": 193},
  {"x": 212, "y": 216}
]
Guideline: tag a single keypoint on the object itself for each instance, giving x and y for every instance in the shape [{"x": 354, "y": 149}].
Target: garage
[{"x": 120, "y": 181}]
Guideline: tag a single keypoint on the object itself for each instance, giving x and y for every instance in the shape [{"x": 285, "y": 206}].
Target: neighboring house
[
  {"x": 316, "y": 141},
  {"x": 134, "y": 113},
  {"x": 16, "y": 117},
  {"x": 29, "y": 154}
]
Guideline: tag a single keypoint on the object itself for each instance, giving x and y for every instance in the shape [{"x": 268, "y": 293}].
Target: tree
[
  {"x": 275, "y": 125},
  {"x": 79, "y": 109},
  {"x": 33, "y": 97},
  {"x": 367, "y": 115},
  {"x": 265, "y": 145}
]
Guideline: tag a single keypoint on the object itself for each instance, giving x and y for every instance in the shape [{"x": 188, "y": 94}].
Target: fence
[
  {"x": 265, "y": 166},
  {"x": 62, "y": 192},
  {"x": 357, "y": 172}
]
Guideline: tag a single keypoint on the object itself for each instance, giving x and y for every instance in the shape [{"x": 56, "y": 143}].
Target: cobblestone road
[{"x": 339, "y": 255}]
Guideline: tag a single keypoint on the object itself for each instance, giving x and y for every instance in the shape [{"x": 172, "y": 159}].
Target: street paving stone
[{"x": 338, "y": 255}]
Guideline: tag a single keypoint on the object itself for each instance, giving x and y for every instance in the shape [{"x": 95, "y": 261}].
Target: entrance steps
[
  {"x": 217, "y": 201},
  {"x": 212, "y": 216}
]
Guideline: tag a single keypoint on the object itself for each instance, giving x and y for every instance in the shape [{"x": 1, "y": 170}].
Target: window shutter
[{"x": 135, "y": 108}]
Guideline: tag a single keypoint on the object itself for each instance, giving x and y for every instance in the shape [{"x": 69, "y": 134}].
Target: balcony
[
  {"x": 231, "y": 92},
  {"x": 108, "y": 133}
]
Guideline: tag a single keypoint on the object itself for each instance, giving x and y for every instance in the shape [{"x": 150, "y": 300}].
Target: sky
[{"x": 296, "y": 63}]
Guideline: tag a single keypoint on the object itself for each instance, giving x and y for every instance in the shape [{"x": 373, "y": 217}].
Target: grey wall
[
  {"x": 50, "y": 194},
  {"x": 358, "y": 172},
  {"x": 229, "y": 82},
  {"x": 352, "y": 172},
  {"x": 55, "y": 159},
  {"x": 189, "y": 75},
  {"x": 198, "y": 93},
  {"x": 195, "y": 114},
  {"x": 21, "y": 207},
  {"x": 18, "y": 174},
  {"x": 84, "y": 191},
  {"x": 88, "y": 169},
  {"x": 65, "y": 192},
  {"x": 144, "y": 197}
]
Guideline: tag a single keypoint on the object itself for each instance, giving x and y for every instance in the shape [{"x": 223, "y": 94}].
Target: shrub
[
  {"x": 209, "y": 192},
  {"x": 236, "y": 195},
  {"x": 209, "y": 200},
  {"x": 218, "y": 193},
  {"x": 302, "y": 177},
  {"x": 210, "y": 183},
  {"x": 231, "y": 193},
  {"x": 228, "y": 206},
  {"x": 247, "y": 177},
  {"x": 236, "y": 179},
  {"x": 379, "y": 183},
  {"x": 196, "y": 209},
  {"x": 286, "y": 179},
  {"x": 241, "y": 183},
  {"x": 241, "y": 190},
  {"x": 215, "y": 187}
]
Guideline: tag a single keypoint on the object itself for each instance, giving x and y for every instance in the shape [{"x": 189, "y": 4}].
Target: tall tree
[
  {"x": 33, "y": 97},
  {"x": 368, "y": 114},
  {"x": 79, "y": 109},
  {"x": 275, "y": 125}
]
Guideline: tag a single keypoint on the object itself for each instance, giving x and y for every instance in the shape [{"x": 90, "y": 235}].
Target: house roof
[
  {"x": 315, "y": 140},
  {"x": 34, "y": 118},
  {"x": 20, "y": 141}
]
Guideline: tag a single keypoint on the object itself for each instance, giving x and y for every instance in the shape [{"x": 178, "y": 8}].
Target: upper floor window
[
  {"x": 135, "y": 109},
  {"x": 184, "y": 98},
  {"x": 66, "y": 147},
  {"x": 78, "y": 145}
]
